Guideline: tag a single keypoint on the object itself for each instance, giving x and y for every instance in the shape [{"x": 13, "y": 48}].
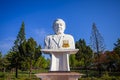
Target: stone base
[{"x": 59, "y": 76}]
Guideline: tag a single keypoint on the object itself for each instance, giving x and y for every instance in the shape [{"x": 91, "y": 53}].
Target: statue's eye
[{"x": 60, "y": 24}]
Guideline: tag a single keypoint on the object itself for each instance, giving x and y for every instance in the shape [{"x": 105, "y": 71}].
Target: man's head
[{"x": 59, "y": 26}]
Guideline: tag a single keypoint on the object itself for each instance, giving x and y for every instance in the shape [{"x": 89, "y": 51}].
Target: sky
[{"x": 79, "y": 15}]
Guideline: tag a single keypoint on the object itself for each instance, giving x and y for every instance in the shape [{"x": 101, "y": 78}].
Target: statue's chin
[{"x": 59, "y": 33}]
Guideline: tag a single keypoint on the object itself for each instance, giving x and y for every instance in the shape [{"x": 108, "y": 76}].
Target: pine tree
[
  {"x": 97, "y": 44},
  {"x": 117, "y": 47},
  {"x": 84, "y": 54},
  {"x": 0, "y": 54},
  {"x": 17, "y": 56},
  {"x": 32, "y": 53},
  {"x": 97, "y": 41},
  {"x": 117, "y": 51}
]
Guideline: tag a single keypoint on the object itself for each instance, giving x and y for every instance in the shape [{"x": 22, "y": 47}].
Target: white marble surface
[
  {"x": 68, "y": 51},
  {"x": 59, "y": 76},
  {"x": 60, "y": 58},
  {"x": 60, "y": 46},
  {"x": 61, "y": 41}
]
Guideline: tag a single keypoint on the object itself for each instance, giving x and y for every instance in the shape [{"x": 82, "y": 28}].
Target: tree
[
  {"x": 84, "y": 54},
  {"x": 72, "y": 60},
  {"x": 17, "y": 55},
  {"x": 32, "y": 53},
  {"x": 0, "y": 55},
  {"x": 117, "y": 47},
  {"x": 22, "y": 50},
  {"x": 97, "y": 43},
  {"x": 42, "y": 62},
  {"x": 7, "y": 61},
  {"x": 0, "y": 60},
  {"x": 111, "y": 59},
  {"x": 117, "y": 51}
]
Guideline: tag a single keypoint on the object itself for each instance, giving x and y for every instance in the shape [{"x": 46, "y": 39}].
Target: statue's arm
[
  {"x": 46, "y": 42},
  {"x": 73, "y": 43}
]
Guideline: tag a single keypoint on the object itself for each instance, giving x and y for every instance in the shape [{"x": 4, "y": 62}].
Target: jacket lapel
[
  {"x": 61, "y": 39},
  {"x": 58, "y": 41},
  {"x": 54, "y": 39}
]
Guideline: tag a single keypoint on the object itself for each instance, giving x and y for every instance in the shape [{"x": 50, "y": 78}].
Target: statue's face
[{"x": 59, "y": 27}]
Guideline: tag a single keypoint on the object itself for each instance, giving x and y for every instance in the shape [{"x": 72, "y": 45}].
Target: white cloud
[
  {"x": 39, "y": 35},
  {"x": 40, "y": 32},
  {"x": 6, "y": 44}
]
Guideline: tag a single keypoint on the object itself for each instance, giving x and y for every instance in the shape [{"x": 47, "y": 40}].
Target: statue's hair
[{"x": 63, "y": 22}]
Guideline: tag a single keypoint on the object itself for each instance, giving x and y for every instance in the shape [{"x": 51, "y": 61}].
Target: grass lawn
[{"x": 23, "y": 75}]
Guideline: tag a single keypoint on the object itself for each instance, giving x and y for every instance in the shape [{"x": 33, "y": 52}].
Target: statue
[
  {"x": 59, "y": 40},
  {"x": 59, "y": 46},
  {"x": 59, "y": 62}
]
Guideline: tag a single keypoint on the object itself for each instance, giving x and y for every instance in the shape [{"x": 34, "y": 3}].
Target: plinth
[
  {"x": 60, "y": 58},
  {"x": 59, "y": 76},
  {"x": 59, "y": 68}
]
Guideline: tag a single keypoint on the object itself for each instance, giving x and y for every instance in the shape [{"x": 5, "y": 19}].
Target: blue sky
[{"x": 79, "y": 15}]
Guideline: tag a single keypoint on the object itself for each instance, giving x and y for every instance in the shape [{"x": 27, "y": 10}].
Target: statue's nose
[{"x": 59, "y": 25}]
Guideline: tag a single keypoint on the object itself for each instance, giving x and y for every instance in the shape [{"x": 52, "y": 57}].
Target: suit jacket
[{"x": 64, "y": 41}]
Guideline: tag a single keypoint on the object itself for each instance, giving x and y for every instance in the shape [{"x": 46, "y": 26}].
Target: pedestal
[
  {"x": 59, "y": 58},
  {"x": 59, "y": 76},
  {"x": 59, "y": 69}
]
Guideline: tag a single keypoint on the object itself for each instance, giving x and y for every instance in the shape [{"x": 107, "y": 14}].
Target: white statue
[
  {"x": 59, "y": 62},
  {"x": 60, "y": 46},
  {"x": 59, "y": 40}
]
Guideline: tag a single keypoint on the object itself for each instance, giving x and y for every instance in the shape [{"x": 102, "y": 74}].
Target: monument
[{"x": 59, "y": 46}]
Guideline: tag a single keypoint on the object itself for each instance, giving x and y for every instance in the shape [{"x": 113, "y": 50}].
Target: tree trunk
[
  {"x": 99, "y": 69},
  {"x": 99, "y": 66},
  {"x": 4, "y": 69},
  {"x": 86, "y": 71},
  {"x": 30, "y": 69},
  {"x": 16, "y": 75}
]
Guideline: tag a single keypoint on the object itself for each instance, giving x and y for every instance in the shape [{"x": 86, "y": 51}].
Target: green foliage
[
  {"x": 26, "y": 55},
  {"x": 20, "y": 38},
  {"x": 21, "y": 34},
  {"x": 11, "y": 58},
  {"x": 0, "y": 55},
  {"x": 22, "y": 76},
  {"x": 117, "y": 47},
  {"x": 17, "y": 56},
  {"x": 42, "y": 62},
  {"x": 30, "y": 48},
  {"x": 2, "y": 75},
  {"x": 0, "y": 60},
  {"x": 22, "y": 49},
  {"x": 117, "y": 51},
  {"x": 4, "y": 64},
  {"x": 81, "y": 46},
  {"x": 85, "y": 53},
  {"x": 106, "y": 75},
  {"x": 30, "y": 52},
  {"x": 73, "y": 61}
]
